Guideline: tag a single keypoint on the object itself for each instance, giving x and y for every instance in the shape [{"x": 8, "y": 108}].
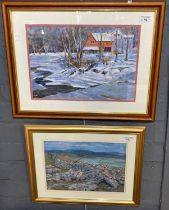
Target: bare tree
[
  {"x": 69, "y": 43},
  {"x": 127, "y": 45},
  {"x": 116, "y": 44},
  {"x": 126, "y": 37},
  {"x": 100, "y": 45},
  {"x": 73, "y": 40},
  {"x": 66, "y": 42},
  {"x": 79, "y": 40},
  {"x": 32, "y": 40},
  {"x": 122, "y": 44},
  {"x": 32, "y": 43}
]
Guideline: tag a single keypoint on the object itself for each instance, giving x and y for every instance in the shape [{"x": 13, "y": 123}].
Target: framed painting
[
  {"x": 85, "y": 164},
  {"x": 93, "y": 60}
]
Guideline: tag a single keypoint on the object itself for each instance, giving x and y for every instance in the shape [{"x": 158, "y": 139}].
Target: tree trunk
[
  {"x": 127, "y": 48},
  {"x": 34, "y": 49},
  {"x": 122, "y": 47},
  {"x": 100, "y": 48},
  {"x": 116, "y": 46}
]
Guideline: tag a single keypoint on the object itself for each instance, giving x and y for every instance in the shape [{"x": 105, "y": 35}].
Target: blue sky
[{"x": 88, "y": 146}]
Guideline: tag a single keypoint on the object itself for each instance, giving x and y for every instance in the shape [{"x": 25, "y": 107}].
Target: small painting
[
  {"x": 83, "y": 62},
  {"x": 85, "y": 166}
]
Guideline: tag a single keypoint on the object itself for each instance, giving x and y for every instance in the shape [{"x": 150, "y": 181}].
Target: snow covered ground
[{"x": 53, "y": 78}]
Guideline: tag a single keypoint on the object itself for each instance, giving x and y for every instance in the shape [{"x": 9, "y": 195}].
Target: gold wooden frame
[
  {"x": 138, "y": 131},
  {"x": 158, "y": 6}
]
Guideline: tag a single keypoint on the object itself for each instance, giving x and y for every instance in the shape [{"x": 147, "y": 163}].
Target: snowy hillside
[{"x": 109, "y": 80}]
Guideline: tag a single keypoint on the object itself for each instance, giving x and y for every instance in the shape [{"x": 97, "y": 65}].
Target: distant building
[{"x": 107, "y": 41}]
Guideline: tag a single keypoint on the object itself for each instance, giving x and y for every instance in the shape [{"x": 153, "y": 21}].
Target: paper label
[{"x": 145, "y": 19}]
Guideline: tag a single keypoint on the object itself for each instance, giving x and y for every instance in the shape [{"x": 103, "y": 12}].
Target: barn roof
[
  {"x": 108, "y": 37},
  {"x": 105, "y": 37}
]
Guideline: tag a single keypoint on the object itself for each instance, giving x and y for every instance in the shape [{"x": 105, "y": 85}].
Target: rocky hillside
[{"x": 82, "y": 176}]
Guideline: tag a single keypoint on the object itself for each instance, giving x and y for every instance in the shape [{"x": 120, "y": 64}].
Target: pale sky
[{"x": 88, "y": 146}]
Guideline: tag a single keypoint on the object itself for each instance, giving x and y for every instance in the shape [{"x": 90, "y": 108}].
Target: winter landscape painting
[
  {"x": 83, "y": 62},
  {"x": 85, "y": 166}
]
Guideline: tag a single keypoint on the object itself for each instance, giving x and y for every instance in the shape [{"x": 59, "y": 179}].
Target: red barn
[
  {"x": 97, "y": 40},
  {"x": 107, "y": 42}
]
